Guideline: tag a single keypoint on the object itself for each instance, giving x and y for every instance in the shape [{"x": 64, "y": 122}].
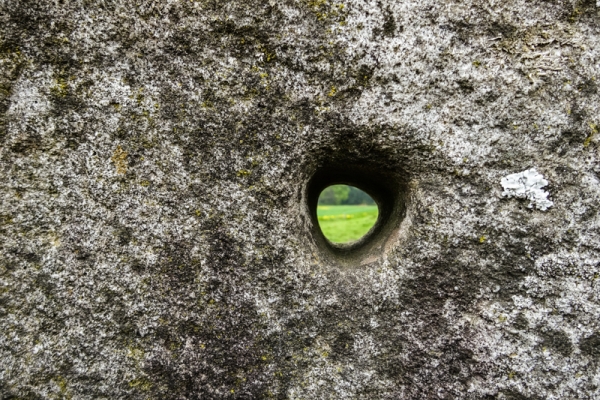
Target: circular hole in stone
[
  {"x": 385, "y": 185},
  {"x": 345, "y": 213}
]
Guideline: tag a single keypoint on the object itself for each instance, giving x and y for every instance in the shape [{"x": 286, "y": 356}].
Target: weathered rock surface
[{"x": 155, "y": 238}]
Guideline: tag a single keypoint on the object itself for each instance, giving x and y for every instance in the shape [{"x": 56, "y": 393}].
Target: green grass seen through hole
[{"x": 346, "y": 223}]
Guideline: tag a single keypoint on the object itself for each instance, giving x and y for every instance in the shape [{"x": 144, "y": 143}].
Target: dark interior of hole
[{"x": 386, "y": 187}]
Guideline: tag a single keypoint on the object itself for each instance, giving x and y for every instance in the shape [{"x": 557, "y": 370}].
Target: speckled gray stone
[{"x": 155, "y": 238}]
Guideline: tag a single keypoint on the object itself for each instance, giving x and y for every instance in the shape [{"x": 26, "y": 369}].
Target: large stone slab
[{"x": 158, "y": 162}]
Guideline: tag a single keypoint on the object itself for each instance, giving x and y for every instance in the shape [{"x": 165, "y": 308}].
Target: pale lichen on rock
[{"x": 527, "y": 185}]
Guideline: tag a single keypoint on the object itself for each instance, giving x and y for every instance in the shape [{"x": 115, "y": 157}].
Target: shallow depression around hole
[{"x": 346, "y": 213}]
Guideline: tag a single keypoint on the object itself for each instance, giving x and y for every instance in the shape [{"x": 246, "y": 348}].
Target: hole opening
[
  {"x": 387, "y": 188},
  {"x": 345, "y": 213}
]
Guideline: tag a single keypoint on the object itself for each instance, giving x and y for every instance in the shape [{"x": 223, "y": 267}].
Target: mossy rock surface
[{"x": 155, "y": 238}]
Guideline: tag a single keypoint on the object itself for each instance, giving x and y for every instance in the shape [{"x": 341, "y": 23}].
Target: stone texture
[{"x": 154, "y": 233}]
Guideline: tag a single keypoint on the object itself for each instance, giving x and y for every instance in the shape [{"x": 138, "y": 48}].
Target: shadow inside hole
[
  {"x": 345, "y": 213},
  {"x": 388, "y": 189}
]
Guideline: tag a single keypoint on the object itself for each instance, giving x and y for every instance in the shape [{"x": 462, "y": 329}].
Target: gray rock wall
[{"x": 156, "y": 239}]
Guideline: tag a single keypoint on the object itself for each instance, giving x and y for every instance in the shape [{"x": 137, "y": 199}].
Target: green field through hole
[{"x": 345, "y": 213}]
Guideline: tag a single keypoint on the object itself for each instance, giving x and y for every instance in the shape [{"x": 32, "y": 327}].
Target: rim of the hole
[
  {"x": 383, "y": 178},
  {"x": 349, "y": 246},
  {"x": 386, "y": 186}
]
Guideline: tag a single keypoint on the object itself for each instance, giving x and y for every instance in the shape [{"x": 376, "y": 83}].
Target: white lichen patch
[{"x": 527, "y": 185}]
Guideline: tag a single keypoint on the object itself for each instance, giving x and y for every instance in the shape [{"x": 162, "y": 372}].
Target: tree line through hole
[{"x": 345, "y": 213}]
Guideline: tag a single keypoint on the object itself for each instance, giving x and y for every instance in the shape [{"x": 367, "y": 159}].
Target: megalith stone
[{"x": 159, "y": 162}]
